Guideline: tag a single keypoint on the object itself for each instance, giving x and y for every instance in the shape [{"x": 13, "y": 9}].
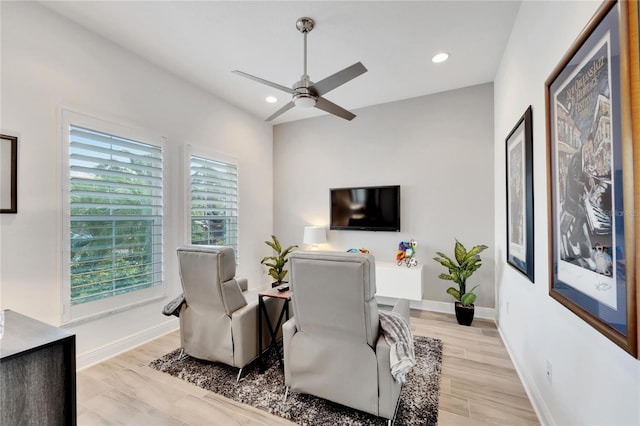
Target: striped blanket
[{"x": 396, "y": 332}]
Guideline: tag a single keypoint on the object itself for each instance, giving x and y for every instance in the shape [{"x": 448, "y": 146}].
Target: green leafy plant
[
  {"x": 466, "y": 263},
  {"x": 276, "y": 263}
]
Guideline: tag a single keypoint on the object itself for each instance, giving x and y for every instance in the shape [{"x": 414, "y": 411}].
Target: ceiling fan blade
[
  {"x": 334, "y": 109},
  {"x": 284, "y": 109},
  {"x": 349, "y": 73},
  {"x": 263, "y": 81}
]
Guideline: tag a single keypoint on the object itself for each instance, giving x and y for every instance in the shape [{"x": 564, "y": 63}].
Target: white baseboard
[
  {"x": 539, "y": 406},
  {"x": 449, "y": 308},
  {"x": 444, "y": 307},
  {"x": 95, "y": 356}
]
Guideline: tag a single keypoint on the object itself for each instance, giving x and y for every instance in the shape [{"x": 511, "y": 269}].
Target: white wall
[
  {"x": 594, "y": 382},
  {"x": 49, "y": 63},
  {"x": 438, "y": 148}
]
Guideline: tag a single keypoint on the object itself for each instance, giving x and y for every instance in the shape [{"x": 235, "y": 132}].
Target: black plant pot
[{"x": 464, "y": 314}]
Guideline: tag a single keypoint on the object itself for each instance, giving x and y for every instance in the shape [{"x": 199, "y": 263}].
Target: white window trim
[
  {"x": 188, "y": 151},
  {"x": 99, "y": 308}
]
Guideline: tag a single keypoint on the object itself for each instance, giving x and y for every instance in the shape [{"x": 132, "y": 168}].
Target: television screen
[{"x": 366, "y": 208}]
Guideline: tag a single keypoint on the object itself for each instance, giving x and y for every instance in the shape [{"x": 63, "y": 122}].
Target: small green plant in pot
[
  {"x": 275, "y": 264},
  {"x": 465, "y": 264}
]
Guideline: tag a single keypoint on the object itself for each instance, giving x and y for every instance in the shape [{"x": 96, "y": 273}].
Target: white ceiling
[{"x": 203, "y": 41}]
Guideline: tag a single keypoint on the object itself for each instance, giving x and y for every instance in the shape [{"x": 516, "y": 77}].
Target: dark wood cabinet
[{"x": 37, "y": 373}]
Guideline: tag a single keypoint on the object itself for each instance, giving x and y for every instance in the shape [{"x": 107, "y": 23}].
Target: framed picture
[
  {"x": 593, "y": 270},
  {"x": 634, "y": 67},
  {"x": 8, "y": 174},
  {"x": 519, "y": 159}
]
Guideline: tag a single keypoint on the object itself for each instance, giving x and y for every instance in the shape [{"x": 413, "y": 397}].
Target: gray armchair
[
  {"x": 333, "y": 347},
  {"x": 219, "y": 317}
]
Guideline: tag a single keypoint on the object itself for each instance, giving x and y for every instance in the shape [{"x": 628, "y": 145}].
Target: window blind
[
  {"x": 214, "y": 202},
  {"x": 116, "y": 198}
]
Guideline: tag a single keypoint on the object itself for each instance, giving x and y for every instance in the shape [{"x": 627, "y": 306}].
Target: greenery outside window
[
  {"x": 115, "y": 210},
  {"x": 214, "y": 202}
]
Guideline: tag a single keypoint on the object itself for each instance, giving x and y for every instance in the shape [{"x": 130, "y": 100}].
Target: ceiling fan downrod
[
  {"x": 305, "y": 25},
  {"x": 302, "y": 96}
]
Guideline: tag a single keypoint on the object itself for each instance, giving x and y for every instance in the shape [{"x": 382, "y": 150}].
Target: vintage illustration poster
[
  {"x": 517, "y": 208},
  {"x": 585, "y": 231}
]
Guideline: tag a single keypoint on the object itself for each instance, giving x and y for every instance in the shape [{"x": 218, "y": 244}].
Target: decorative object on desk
[
  {"x": 519, "y": 165},
  {"x": 314, "y": 235},
  {"x": 276, "y": 263},
  {"x": 360, "y": 250},
  {"x": 406, "y": 253},
  {"x": 418, "y": 403},
  {"x": 466, "y": 263},
  {"x": 593, "y": 126},
  {"x": 8, "y": 174}
]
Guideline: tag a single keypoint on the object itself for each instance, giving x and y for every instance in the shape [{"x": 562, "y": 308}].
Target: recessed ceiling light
[
  {"x": 440, "y": 57},
  {"x": 271, "y": 99}
]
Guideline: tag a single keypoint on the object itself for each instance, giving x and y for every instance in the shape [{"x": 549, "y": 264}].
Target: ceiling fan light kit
[
  {"x": 305, "y": 93},
  {"x": 305, "y": 101}
]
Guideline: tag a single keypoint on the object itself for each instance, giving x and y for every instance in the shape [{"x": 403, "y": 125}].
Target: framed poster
[
  {"x": 634, "y": 67},
  {"x": 591, "y": 179},
  {"x": 519, "y": 167},
  {"x": 8, "y": 174}
]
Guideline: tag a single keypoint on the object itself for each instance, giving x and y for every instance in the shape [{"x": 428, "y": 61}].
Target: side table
[{"x": 273, "y": 331}]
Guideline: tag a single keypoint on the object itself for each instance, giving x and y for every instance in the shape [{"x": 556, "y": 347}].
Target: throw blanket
[{"x": 398, "y": 335}]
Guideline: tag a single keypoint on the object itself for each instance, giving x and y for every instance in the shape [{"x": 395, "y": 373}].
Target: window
[
  {"x": 214, "y": 202},
  {"x": 115, "y": 200}
]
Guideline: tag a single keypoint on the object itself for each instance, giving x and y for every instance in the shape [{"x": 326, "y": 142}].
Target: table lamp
[{"x": 314, "y": 235}]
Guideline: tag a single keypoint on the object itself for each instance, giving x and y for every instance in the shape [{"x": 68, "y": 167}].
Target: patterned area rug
[{"x": 418, "y": 400}]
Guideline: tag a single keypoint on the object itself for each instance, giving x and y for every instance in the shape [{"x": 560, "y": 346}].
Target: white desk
[{"x": 398, "y": 281}]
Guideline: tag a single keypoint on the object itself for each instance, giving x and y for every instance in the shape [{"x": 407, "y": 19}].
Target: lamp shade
[{"x": 314, "y": 235}]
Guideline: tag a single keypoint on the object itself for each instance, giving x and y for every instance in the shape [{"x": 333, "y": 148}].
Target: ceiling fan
[{"x": 305, "y": 93}]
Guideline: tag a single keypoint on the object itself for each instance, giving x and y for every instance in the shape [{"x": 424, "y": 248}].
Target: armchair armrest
[
  {"x": 288, "y": 330},
  {"x": 388, "y": 388},
  {"x": 174, "y": 306},
  {"x": 244, "y": 328},
  {"x": 244, "y": 331},
  {"x": 232, "y": 296},
  {"x": 402, "y": 307},
  {"x": 243, "y": 283}
]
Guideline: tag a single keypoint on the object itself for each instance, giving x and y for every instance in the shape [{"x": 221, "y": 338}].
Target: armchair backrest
[
  {"x": 207, "y": 275},
  {"x": 334, "y": 294}
]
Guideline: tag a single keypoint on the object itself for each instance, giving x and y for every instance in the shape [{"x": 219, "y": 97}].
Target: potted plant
[
  {"x": 466, "y": 263},
  {"x": 276, "y": 263}
]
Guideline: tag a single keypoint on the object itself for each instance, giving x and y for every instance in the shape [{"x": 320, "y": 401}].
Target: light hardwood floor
[{"x": 479, "y": 385}]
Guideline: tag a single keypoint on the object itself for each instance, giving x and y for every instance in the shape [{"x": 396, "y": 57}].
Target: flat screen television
[{"x": 373, "y": 208}]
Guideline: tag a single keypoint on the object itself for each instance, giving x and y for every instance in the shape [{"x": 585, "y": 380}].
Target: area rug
[{"x": 418, "y": 400}]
